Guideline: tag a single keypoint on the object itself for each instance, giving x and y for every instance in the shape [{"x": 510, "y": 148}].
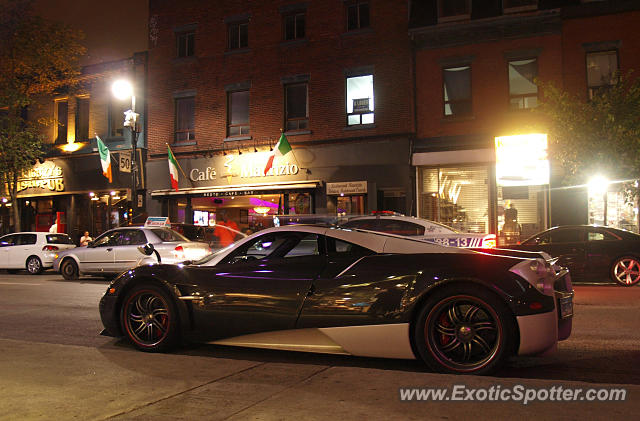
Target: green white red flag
[
  {"x": 105, "y": 159},
  {"x": 173, "y": 169},
  {"x": 282, "y": 148}
]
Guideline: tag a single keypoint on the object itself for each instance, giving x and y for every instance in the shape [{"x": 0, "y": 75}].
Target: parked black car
[{"x": 592, "y": 253}]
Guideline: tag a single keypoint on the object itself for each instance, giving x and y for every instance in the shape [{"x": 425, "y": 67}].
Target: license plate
[{"x": 566, "y": 307}]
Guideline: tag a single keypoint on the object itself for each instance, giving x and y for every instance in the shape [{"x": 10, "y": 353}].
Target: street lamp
[
  {"x": 598, "y": 186},
  {"x": 123, "y": 89}
]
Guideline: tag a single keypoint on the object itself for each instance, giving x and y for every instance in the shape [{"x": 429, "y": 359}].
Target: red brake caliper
[{"x": 444, "y": 339}]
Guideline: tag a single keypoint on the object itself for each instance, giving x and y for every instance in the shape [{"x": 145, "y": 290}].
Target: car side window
[
  {"x": 565, "y": 236},
  {"x": 131, "y": 238},
  {"x": 363, "y": 224},
  {"x": 307, "y": 246},
  {"x": 393, "y": 226},
  {"x": 28, "y": 239},
  {"x": 600, "y": 236},
  {"x": 7, "y": 240},
  {"x": 107, "y": 239},
  {"x": 340, "y": 248}
]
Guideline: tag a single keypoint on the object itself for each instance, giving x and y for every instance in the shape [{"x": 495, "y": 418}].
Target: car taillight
[
  {"x": 50, "y": 248},
  {"x": 489, "y": 241},
  {"x": 179, "y": 252}
]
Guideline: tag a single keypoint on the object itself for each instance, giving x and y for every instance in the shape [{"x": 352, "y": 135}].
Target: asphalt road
[{"x": 55, "y": 365}]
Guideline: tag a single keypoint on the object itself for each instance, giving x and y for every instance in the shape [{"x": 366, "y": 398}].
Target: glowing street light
[
  {"x": 123, "y": 89},
  {"x": 598, "y": 187}
]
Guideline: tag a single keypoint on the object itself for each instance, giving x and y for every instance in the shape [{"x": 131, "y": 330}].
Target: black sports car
[
  {"x": 591, "y": 252},
  {"x": 331, "y": 290}
]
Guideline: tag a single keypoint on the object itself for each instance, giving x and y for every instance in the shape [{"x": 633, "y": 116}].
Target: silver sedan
[{"x": 117, "y": 250}]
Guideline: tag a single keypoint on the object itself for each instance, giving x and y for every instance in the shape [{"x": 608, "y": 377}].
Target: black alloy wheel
[
  {"x": 150, "y": 318},
  {"x": 626, "y": 271},
  {"x": 69, "y": 269},
  {"x": 34, "y": 265},
  {"x": 465, "y": 330}
]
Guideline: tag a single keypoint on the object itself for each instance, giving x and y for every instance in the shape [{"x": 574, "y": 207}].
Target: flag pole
[{"x": 181, "y": 170}]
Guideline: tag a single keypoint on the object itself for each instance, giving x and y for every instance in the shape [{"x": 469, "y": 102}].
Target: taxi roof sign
[{"x": 157, "y": 221}]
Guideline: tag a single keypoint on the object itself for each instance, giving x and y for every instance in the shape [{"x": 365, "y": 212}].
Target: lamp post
[{"x": 123, "y": 89}]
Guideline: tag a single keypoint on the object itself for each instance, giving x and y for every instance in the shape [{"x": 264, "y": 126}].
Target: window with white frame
[
  {"x": 602, "y": 71},
  {"x": 294, "y": 25},
  {"x": 523, "y": 91},
  {"x": 296, "y": 106},
  {"x": 185, "y": 42},
  {"x": 238, "y": 113},
  {"x": 238, "y": 34},
  {"x": 185, "y": 119},
  {"x": 457, "y": 91},
  {"x": 360, "y": 104}
]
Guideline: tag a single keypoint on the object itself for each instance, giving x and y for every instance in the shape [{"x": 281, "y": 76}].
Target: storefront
[
  {"x": 73, "y": 192},
  {"x": 500, "y": 188},
  {"x": 311, "y": 183}
]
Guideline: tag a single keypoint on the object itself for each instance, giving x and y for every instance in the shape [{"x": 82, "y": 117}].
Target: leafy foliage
[
  {"x": 37, "y": 57},
  {"x": 599, "y": 136}
]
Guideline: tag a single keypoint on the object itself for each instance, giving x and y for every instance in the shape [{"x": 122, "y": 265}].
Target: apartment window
[
  {"x": 357, "y": 15},
  {"x": 453, "y": 9},
  {"x": 457, "y": 91},
  {"x": 360, "y": 103},
  {"x": 294, "y": 26},
  {"x": 116, "y": 116},
  {"x": 238, "y": 113},
  {"x": 296, "y": 106},
  {"x": 82, "y": 119},
  {"x": 238, "y": 35},
  {"x": 523, "y": 92},
  {"x": 62, "y": 115},
  {"x": 185, "y": 43},
  {"x": 602, "y": 71},
  {"x": 185, "y": 119}
]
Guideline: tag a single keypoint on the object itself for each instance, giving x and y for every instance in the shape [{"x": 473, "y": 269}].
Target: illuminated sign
[
  {"x": 245, "y": 166},
  {"x": 47, "y": 176},
  {"x": 348, "y": 187},
  {"x": 522, "y": 160}
]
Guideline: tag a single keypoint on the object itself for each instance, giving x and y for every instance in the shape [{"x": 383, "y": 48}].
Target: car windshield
[
  {"x": 211, "y": 256},
  {"x": 59, "y": 239},
  {"x": 168, "y": 235}
]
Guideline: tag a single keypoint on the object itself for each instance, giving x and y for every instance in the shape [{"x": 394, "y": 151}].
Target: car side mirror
[{"x": 148, "y": 250}]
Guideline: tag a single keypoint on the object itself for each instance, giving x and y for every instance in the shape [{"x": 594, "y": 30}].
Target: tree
[
  {"x": 599, "y": 136},
  {"x": 37, "y": 57}
]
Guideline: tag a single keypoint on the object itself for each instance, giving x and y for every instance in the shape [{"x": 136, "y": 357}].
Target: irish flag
[
  {"x": 282, "y": 148},
  {"x": 105, "y": 158},
  {"x": 173, "y": 170}
]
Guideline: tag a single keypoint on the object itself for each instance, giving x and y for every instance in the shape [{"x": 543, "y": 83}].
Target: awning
[{"x": 285, "y": 185}]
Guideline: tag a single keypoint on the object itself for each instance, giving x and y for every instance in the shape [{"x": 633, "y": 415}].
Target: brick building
[
  {"x": 227, "y": 77},
  {"x": 477, "y": 65}
]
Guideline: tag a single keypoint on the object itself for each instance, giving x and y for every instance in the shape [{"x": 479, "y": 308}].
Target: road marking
[{"x": 17, "y": 283}]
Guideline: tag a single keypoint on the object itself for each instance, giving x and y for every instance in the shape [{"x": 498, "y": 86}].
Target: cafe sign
[
  {"x": 244, "y": 166},
  {"x": 47, "y": 176}
]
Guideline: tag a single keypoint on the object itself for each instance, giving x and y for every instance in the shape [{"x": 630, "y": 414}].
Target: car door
[
  {"x": 261, "y": 286},
  {"x": 602, "y": 248},
  {"x": 6, "y": 245},
  {"x": 126, "y": 253},
  {"x": 99, "y": 256},
  {"x": 24, "y": 246},
  {"x": 568, "y": 244}
]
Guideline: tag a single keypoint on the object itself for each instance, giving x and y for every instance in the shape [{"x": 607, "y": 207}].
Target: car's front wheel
[
  {"x": 69, "y": 270},
  {"x": 626, "y": 271},
  {"x": 464, "y": 330},
  {"x": 150, "y": 318},
  {"x": 34, "y": 265}
]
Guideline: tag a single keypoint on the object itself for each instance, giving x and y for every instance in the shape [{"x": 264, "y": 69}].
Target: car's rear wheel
[
  {"x": 464, "y": 330},
  {"x": 34, "y": 265},
  {"x": 69, "y": 270},
  {"x": 150, "y": 318},
  {"x": 626, "y": 271}
]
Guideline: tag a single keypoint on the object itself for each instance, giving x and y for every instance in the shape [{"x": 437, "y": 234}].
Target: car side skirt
[
  {"x": 538, "y": 333},
  {"x": 381, "y": 341}
]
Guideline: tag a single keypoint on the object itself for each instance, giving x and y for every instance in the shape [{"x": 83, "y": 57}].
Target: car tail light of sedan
[
  {"x": 178, "y": 252},
  {"x": 489, "y": 241},
  {"x": 50, "y": 248}
]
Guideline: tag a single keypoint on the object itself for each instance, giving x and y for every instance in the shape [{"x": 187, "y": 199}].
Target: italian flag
[
  {"x": 173, "y": 170},
  {"x": 282, "y": 148},
  {"x": 105, "y": 158}
]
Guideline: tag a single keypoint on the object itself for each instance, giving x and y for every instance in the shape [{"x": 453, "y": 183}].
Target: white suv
[
  {"x": 33, "y": 251},
  {"x": 423, "y": 229}
]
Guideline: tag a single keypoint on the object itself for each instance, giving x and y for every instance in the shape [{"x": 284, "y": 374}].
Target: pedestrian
[
  {"x": 54, "y": 228},
  {"x": 85, "y": 239}
]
